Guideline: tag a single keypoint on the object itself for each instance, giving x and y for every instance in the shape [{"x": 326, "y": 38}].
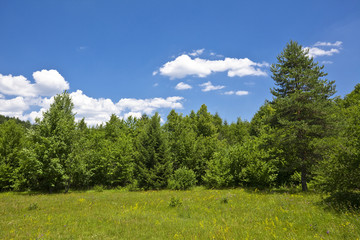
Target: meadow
[{"x": 194, "y": 214}]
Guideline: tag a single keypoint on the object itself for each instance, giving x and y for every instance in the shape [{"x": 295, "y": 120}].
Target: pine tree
[
  {"x": 302, "y": 103},
  {"x": 153, "y": 167}
]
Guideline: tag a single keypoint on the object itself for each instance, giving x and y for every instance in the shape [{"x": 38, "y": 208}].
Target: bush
[
  {"x": 219, "y": 173},
  {"x": 175, "y": 202},
  {"x": 182, "y": 179},
  {"x": 344, "y": 201},
  {"x": 33, "y": 206}
]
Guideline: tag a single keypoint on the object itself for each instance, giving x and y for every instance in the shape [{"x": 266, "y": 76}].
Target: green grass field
[{"x": 196, "y": 214}]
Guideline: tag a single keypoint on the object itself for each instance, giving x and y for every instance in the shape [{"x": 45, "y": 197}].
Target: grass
[{"x": 196, "y": 214}]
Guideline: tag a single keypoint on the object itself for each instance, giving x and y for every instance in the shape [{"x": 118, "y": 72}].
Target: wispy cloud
[
  {"x": 329, "y": 44},
  {"x": 197, "y": 52},
  {"x": 238, "y": 93},
  {"x": 327, "y": 62},
  {"x": 206, "y": 87},
  {"x": 183, "y": 86},
  {"x": 319, "y": 49},
  {"x": 82, "y": 48},
  {"x": 317, "y": 52}
]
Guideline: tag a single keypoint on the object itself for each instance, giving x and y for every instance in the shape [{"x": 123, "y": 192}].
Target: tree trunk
[{"x": 303, "y": 179}]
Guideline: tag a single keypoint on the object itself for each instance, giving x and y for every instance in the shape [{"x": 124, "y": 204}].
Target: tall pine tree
[{"x": 302, "y": 103}]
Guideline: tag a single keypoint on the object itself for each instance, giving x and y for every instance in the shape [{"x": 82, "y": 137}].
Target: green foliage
[
  {"x": 153, "y": 166},
  {"x": 53, "y": 143},
  {"x": 175, "y": 202},
  {"x": 344, "y": 201},
  {"x": 340, "y": 170},
  {"x": 302, "y": 135},
  {"x": 302, "y": 107},
  {"x": 182, "y": 179},
  {"x": 98, "y": 188},
  {"x": 12, "y": 140},
  {"x": 33, "y": 206},
  {"x": 24, "y": 124},
  {"x": 247, "y": 164},
  {"x": 221, "y": 170}
]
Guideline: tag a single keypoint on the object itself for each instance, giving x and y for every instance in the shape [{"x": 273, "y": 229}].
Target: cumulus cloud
[
  {"x": 95, "y": 111},
  {"x": 329, "y": 44},
  {"x": 133, "y": 114},
  {"x": 17, "y": 104},
  {"x": 47, "y": 83},
  {"x": 238, "y": 93},
  {"x": 16, "y": 85},
  {"x": 149, "y": 106},
  {"x": 206, "y": 87},
  {"x": 40, "y": 95},
  {"x": 182, "y": 86},
  {"x": 184, "y": 66}
]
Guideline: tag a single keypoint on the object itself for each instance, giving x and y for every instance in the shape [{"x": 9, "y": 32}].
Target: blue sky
[{"x": 135, "y": 57}]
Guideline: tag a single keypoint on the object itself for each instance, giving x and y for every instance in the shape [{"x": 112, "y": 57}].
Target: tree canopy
[{"x": 303, "y": 135}]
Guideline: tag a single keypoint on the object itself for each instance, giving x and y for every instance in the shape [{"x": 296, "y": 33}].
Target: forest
[{"x": 304, "y": 137}]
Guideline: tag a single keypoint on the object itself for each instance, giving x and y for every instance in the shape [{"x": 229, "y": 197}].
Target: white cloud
[
  {"x": 47, "y": 83},
  {"x": 13, "y": 105},
  {"x": 197, "y": 52},
  {"x": 209, "y": 87},
  {"x": 16, "y": 85},
  {"x": 149, "y": 106},
  {"x": 329, "y": 44},
  {"x": 242, "y": 93},
  {"x": 133, "y": 114},
  {"x": 317, "y": 52},
  {"x": 184, "y": 66},
  {"x": 239, "y": 93},
  {"x": 95, "y": 111},
  {"x": 327, "y": 62},
  {"x": 50, "y": 82},
  {"x": 182, "y": 86},
  {"x": 229, "y": 93}
]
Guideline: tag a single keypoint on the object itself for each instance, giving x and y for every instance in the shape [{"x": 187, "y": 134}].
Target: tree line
[{"x": 302, "y": 136}]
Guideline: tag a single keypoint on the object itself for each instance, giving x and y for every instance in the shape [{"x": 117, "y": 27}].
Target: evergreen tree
[
  {"x": 153, "y": 162},
  {"x": 340, "y": 171},
  {"x": 302, "y": 107}
]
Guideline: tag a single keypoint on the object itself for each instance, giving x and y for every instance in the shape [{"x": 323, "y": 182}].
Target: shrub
[
  {"x": 182, "y": 179},
  {"x": 33, "y": 206},
  {"x": 175, "y": 202}
]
